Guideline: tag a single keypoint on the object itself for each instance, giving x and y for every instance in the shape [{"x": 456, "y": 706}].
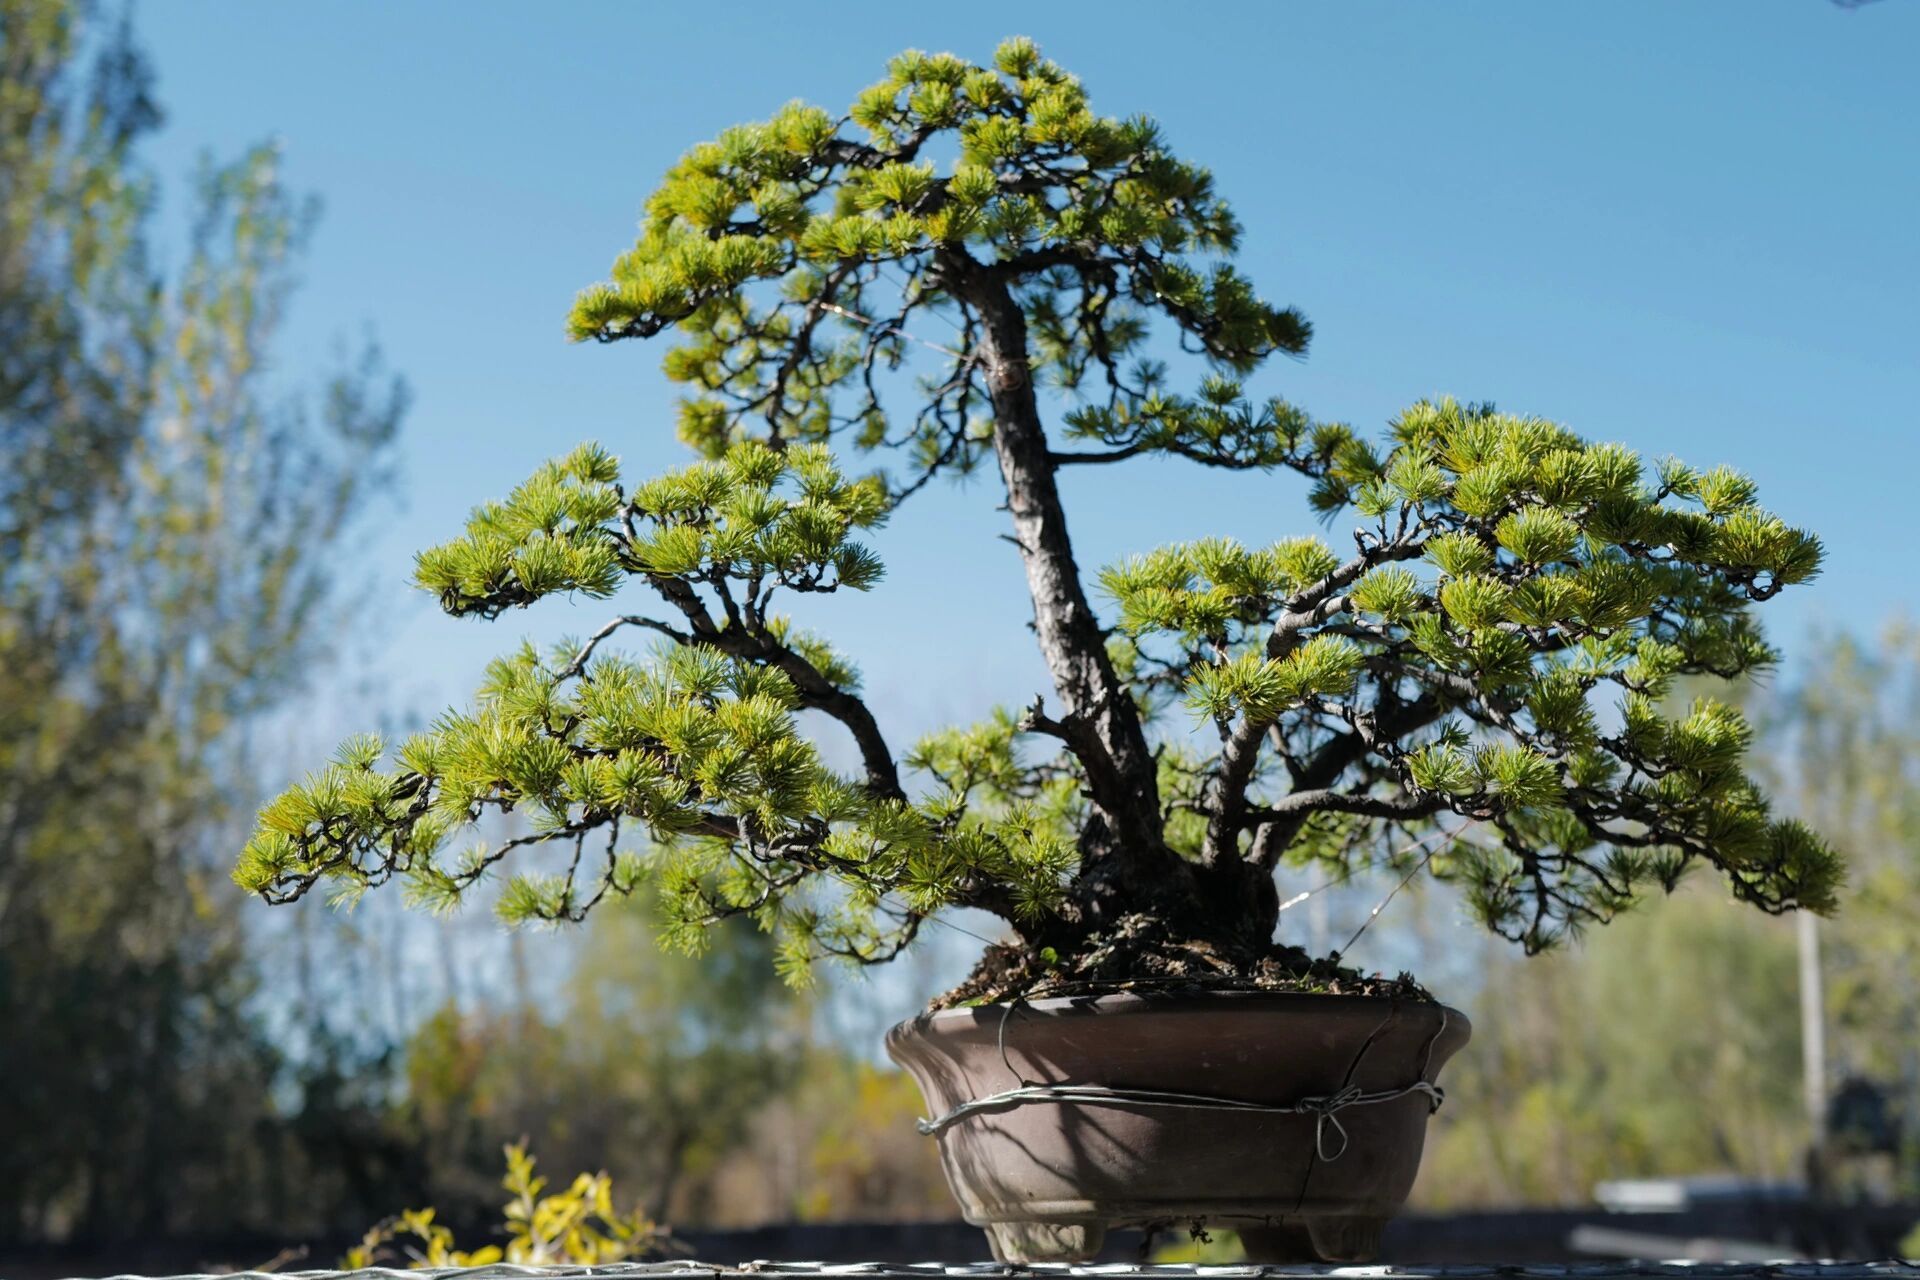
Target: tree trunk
[{"x": 1125, "y": 863}]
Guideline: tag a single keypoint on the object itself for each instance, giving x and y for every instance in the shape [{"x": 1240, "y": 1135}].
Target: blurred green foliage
[
  {"x": 163, "y": 583},
  {"x": 647, "y": 1063},
  {"x": 1593, "y": 1063},
  {"x": 702, "y": 1084},
  {"x": 1670, "y": 1043},
  {"x": 1844, "y": 748}
]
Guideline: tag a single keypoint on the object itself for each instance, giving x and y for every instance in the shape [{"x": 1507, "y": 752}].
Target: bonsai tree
[{"x": 972, "y": 266}]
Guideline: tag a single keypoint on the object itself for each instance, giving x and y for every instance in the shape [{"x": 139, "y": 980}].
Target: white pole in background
[{"x": 1813, "y": 1049}]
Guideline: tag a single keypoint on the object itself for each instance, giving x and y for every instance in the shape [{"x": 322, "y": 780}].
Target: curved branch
[
  {"x": 1072, "y": 457},
  {"x": 816, "y": 692},
  {"x": 1082, "y": 740},
  {"x": 1325, "y": 766},
  {"x": 1310, "y": 607},
  {"x": 585, "y": 654},
  {"x": 1299, "y": 804}
]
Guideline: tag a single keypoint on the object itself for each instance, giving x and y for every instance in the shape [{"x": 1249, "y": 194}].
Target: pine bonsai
[{"x": 970, "y": 266}]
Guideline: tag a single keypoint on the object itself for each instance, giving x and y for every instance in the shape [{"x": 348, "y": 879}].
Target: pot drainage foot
[
  {"x": 1023, "y": 1242},
  {"x": 1282, "y": 1242},
  {"x": 1322, "y": 1238}
]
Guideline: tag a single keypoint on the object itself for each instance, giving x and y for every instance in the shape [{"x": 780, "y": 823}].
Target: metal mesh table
[{"x": 681, "y": 1270}]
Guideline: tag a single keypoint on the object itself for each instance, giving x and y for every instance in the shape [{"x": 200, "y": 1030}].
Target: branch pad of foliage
[
  {"x": 694, "y": 755},
  {"x": 776, "y": 251},
  {"x": 1510, "y": 574}
]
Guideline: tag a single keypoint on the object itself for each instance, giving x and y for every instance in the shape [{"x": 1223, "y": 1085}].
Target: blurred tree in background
[
  {"x": 1592, "y": 1064},
  {"x": 650, "y": 1065},
  {"x": 701, "y": 1084},
  {"x": 164, "y": 520},
  {"x": 1595, "y": 1063},
  {"x": 1846, "y": 752}
]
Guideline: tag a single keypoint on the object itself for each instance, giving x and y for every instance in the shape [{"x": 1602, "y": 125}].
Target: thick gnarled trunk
[{"x": 1126, "y": 865}]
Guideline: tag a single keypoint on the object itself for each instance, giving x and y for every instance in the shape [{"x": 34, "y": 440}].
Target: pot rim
[{"x": 1183, "y": 1000}]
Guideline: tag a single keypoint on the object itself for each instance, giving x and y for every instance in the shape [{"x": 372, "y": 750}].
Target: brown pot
[{"x": 1046, "y": 1178}]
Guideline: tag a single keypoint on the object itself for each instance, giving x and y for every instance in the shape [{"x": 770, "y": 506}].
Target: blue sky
[{"x": 1687, "y": 227}]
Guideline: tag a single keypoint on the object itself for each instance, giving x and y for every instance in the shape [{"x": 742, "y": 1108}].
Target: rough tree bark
[{"x": 1127, "y": 866}]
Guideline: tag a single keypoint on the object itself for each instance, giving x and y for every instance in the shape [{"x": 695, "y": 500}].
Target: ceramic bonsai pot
[{"x": 1048, "y": 1176}]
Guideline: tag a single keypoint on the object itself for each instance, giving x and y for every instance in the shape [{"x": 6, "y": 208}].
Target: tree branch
[
  {"x": 1299, "y": 804},
  {"x": 1071, "y": 457},
  {"x": 816, "y": 691},
  {"x": 1325, "y": 766},
  {"x": 585, "y": 654},
  {"x": 1239, "y": 755},
  {"x": 1103, "y": 777}
]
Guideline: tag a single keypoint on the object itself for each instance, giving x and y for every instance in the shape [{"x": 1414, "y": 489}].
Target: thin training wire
[
  {"x": 1426, "y": 1059},
  {"x": 1375, "y": 865},
  {"x": 1405, "y": 881},
  {"x": 888, "y": 327},
  {"x": 905, "y": 288},
  {"x": 1336, "y": 882},
  {"x": 1325, "y": 1108},
  {"x": 944, "y": 923}
]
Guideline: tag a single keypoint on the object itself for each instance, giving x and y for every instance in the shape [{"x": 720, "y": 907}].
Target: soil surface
[{"x": 1136, "y": 954}]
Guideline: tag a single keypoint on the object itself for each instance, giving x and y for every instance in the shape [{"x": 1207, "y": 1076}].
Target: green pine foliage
[
  {"x": 778, "y": 253},
  {"x": 1530, "y": 598},
  {"x": 1492, "y": 654}
]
